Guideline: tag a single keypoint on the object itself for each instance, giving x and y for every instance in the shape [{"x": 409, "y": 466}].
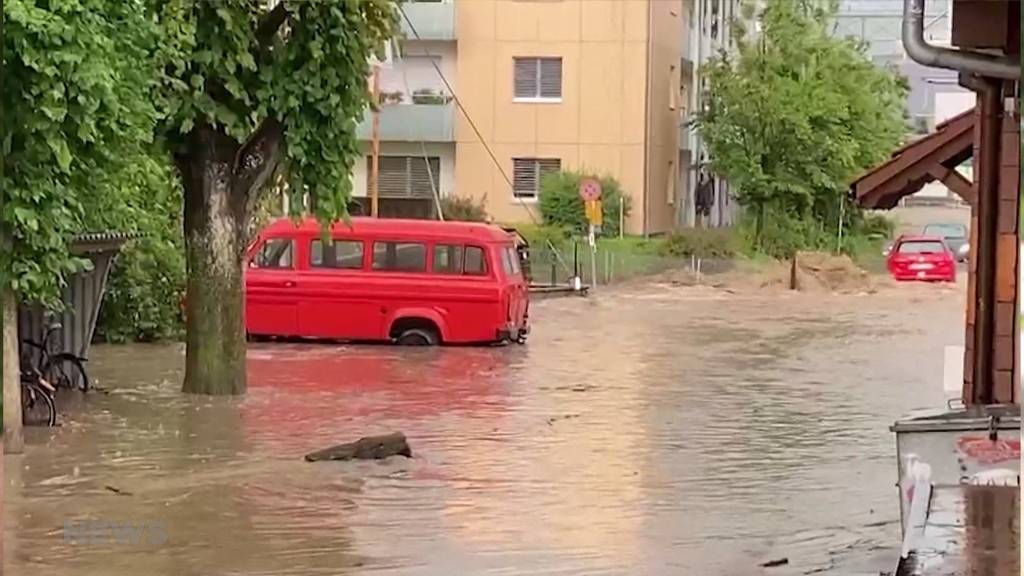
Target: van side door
[
  {"x": 270, "y": 282},
  {"x": 337, "y": 299}
]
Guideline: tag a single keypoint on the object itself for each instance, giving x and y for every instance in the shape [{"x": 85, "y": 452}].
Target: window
[
  {"x": 528, "y": 172},
  {"x": 673, "y": 88},
  {"x": 407, "y": 176},
  {"x": 339, "y": 254},
  {"x": 921, "y": 247},
  {"x": 538, "y": 79},
  {"x": 510, "y": 258},
  {"x": 670, "y": 183},
  {"x": 276, "y": 253},
  {"x": 447, "y": 259},
  {"x": 451, "y": 259},
  {"x": 399, "y": 256},
  {"x": 476, "y": 264}
]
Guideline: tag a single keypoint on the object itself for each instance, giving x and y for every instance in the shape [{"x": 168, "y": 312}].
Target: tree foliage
[
  {"x": 77, "y": 110},
  {"x": 293, "y": 76},
  {"x": 561, "y": 206},
  {"x": 793, "y": 115}
]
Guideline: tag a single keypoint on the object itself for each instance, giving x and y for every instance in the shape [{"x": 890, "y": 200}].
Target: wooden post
[
  {"x": 14, "y": 440},
  {"x": 375, "y": 145}
]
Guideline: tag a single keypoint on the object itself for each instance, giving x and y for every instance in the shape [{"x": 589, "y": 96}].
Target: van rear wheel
[{"x": 417, "y": 337}]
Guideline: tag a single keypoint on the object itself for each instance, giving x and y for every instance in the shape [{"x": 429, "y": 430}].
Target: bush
[
  {"x": 704, "y": 243},
  {"x": 561, "y": 206},
  {"x": 462, "y": 209}
]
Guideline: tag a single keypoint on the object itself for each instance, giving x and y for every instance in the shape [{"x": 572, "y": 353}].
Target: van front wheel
[{"x": 417, "y": 337}]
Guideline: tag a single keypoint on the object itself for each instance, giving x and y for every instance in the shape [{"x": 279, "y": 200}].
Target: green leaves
[
  {"x": 77, "y": 102},
  {"x": 796, "y": 113}
]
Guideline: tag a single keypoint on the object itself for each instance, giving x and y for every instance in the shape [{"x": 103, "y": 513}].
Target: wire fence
[{"x": 613, "y": 263}]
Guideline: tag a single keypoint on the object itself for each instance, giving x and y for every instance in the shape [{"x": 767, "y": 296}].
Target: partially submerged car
[{"x": 925, "y": 258}]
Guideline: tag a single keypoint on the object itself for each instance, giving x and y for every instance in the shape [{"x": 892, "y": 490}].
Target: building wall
[
  {"x": 663, "y": 186},
  {"x": 599, "y": 124}
]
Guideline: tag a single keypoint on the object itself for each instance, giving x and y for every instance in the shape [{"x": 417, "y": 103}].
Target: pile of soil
[
  {"x": 824, "y": 272},
  {"x": 808, "y": 271}
]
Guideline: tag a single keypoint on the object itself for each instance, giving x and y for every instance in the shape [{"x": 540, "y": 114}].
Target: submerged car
[
  {"x": 954, "y": 235},
  {"x": 925, "y": 258}
]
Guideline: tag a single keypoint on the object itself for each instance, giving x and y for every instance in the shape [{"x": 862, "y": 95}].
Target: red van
[{"x": 412, "y": 282}]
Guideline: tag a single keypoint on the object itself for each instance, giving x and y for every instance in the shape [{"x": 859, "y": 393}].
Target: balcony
[
  {"x": 432, "y": 20},
  {"x": 412, "y": 123}
]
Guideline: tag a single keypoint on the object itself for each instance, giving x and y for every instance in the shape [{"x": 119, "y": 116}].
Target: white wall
[{"x": 443, "y": 150}]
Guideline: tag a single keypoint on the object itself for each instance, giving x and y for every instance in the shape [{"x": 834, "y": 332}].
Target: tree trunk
[
  {"x": 222, "y": 180},
  {"x": 214, "y": 242},
  {"x": 14, "y": 440}
]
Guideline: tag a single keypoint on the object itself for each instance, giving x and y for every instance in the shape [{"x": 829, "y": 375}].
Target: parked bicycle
[
  {"x": 38, "y": 407},
  {"x": 61, "y": 369}
]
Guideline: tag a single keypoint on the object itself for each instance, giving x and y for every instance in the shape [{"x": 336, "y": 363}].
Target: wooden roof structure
[{"x": 928, "y": 159}]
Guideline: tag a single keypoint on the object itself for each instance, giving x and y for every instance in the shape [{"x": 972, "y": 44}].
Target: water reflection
[{"x": 658, "y": 431}]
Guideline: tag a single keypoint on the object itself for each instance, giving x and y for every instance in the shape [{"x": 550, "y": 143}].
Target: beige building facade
[{"x": 591, "y": 85}]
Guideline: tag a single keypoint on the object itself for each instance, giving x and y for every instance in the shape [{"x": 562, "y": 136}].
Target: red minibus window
[
  {"x": 275, "y": 253},
  {"x": 447, "y": 259},
  {"x": 476, "y": 263},
  {"x": 399, "y": 256},
  {"x": 339, "y": 254},
  {"x": 512, "y": 261}
]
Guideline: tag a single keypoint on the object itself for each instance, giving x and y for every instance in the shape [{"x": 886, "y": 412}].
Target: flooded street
[{"x": 655, "y": 430}]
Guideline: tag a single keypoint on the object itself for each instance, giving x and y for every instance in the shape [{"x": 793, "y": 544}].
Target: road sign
[
  {"x": 593, "y": 211},
  {"x": 590, "y": 189}
]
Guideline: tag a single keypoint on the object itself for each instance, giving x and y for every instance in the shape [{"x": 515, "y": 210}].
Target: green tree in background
[
  {"x": 792, "y": 117},
  {"x": 251, "y": 91}
]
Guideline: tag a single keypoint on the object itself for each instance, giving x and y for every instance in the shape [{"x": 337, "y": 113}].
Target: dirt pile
[{"x": 824, "y": 272}]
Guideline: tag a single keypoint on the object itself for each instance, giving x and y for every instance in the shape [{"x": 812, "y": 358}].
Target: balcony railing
[
  {"x": 432, "y": 20},
  {"x": 412, "y": 123}
]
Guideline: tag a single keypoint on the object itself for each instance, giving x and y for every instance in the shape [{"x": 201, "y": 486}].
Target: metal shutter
[
  {"x": 524, "y": 177},
  {"x": 550, "y": 78},
  {"x": 407, "y": 176},
  {"x": 527, "y": 74}
]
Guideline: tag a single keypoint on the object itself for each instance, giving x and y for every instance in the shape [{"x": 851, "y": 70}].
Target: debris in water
[
  {"x": 774, "y": 563},
  {"x": 117, "y": 491},
  {"x": 368, "y": 448}
]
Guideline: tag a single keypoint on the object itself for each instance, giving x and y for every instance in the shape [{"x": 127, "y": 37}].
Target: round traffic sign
[{"x": 590, "y": 189}]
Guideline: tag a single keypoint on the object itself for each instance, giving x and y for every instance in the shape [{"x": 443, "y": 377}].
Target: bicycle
[
  {"x": 38, "y": 407},
  {"x": 63, "y": 369}
]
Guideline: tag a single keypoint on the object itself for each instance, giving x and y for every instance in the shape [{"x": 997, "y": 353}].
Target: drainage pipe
[{"x": 926, "y": 54}]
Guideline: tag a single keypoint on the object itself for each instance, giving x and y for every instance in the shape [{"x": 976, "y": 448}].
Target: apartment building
[{"x": 592, "y": 85}]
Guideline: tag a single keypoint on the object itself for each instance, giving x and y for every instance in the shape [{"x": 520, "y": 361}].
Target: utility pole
[{"x": 375, "y": 144}]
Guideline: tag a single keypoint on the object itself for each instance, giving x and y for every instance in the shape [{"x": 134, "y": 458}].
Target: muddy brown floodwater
[{"x": 652, "y": 430}]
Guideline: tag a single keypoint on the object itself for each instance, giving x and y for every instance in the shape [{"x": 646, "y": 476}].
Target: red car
[
  {"x": 925, "y": 258},
  {"x": 412, "y": 282}
]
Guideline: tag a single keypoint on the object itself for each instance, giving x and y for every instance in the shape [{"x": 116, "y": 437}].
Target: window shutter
[
  {"x": 526, "y": 75},
  {"x": 524, "y": 176},
  {"x": 547, "y": 166},
  {"x": 550, "y": 78},
  {"x": 407, "y": 176},
  {"x": 420, "y": 177}
]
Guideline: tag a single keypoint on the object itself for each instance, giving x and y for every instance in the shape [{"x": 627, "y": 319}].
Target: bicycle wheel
[
  {"x": 66, "y": 371},
  {"x": 37, "y": 407}
]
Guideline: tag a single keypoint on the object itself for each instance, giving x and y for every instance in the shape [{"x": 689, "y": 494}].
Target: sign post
[{"x": 590, "y": 192}]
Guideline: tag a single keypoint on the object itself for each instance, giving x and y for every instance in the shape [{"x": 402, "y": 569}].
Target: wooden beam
[{"x": 953, "y": 180}]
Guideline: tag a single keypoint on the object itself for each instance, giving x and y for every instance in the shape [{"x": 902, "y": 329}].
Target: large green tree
[
  {"x": 76, "y": 79},
  {"x": 794, "y": 113},
  {"x": 253, "y": 89}
]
